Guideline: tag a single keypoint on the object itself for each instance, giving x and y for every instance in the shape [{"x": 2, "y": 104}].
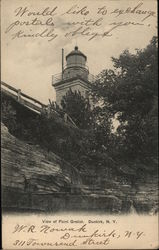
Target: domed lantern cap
[{"x": 76, "y": 52}]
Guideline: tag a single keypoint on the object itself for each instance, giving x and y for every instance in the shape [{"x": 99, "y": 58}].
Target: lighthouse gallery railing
[{"x": 60, "y": 77}]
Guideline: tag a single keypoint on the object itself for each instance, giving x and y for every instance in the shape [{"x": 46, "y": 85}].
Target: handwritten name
[{"x": 47, "y": 229}]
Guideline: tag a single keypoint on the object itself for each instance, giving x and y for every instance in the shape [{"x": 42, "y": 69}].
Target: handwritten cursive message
[{"x": 78, "y": 20}]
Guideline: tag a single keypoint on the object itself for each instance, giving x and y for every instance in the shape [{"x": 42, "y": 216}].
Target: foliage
[
  {"x": 78, "y": 108},
  {"x": 129, "y": 92}
]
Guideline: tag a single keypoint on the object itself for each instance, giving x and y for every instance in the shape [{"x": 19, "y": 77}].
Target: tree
[
  {"x": 78, "y": 108},
  {"x": 129, "y": 92}
]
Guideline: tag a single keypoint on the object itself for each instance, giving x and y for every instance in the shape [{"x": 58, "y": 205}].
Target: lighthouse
[{"x": 75, "y": 75}]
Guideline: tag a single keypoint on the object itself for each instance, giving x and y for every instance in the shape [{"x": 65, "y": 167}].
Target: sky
[{"x": 28, "y": 63}]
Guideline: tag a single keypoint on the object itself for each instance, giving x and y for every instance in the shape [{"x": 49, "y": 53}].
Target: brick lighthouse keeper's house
[{"x": 75, "y": 75}]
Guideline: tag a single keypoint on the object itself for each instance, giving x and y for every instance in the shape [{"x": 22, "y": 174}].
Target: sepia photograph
[{"x": 79, "y": 124}]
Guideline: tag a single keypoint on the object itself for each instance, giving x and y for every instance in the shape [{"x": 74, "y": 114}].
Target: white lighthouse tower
[{"x": 75, "y": 75}]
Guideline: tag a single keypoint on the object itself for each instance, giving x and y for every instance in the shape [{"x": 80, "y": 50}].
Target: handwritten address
[
  {"x": 79, "y": 231},
  {"x": 71, "y": 233},
  {"x": 51, "y": 22}
]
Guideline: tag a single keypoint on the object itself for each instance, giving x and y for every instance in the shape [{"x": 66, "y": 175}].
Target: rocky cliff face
[
  {"x": 34, "y": 179},
  {"x": 28, "y": 169}
]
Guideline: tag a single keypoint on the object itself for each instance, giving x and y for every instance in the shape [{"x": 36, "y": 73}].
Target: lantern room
[{"x": 76, "y": 64}]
